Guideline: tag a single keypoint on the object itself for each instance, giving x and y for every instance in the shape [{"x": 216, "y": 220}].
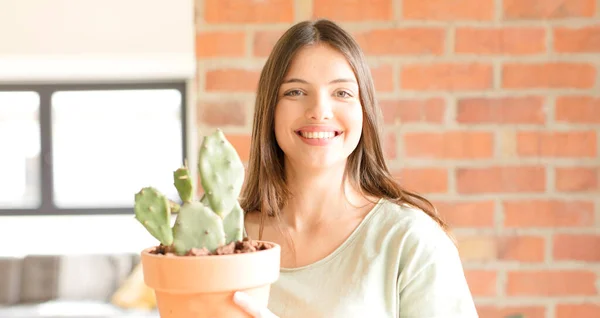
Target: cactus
[
  {"x": 197, "y": 226},
  {"x": 221, "y": 173},
  {"x": 183, "y": 183},
  {"x": 215, "y": 220},
  {"x": 153, "y": 210}
]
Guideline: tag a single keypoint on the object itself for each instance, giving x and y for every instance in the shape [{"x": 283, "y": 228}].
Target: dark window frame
[{"x": 45, "y": 91}]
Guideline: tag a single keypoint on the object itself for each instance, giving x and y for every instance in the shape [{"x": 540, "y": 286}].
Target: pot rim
[{"x": 146, "y": 253}]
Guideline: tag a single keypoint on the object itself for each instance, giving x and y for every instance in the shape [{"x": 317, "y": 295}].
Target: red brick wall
[{"x": 481, "y": 98}]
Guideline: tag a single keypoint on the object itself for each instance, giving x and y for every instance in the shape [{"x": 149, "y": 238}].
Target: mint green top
[{"x": 397, "y": 263}]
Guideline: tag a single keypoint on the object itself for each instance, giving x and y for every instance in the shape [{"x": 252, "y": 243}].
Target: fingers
[{"x": 247, "y": 303}]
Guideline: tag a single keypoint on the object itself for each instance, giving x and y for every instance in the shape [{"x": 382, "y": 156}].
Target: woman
[{"x": 354, "y": 243}]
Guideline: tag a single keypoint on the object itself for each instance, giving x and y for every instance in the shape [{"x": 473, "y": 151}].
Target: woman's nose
[{"x": 320, "y": 108}]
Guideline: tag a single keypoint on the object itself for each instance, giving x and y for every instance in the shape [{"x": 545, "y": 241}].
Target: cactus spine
[{"x": 211, "y": 222}]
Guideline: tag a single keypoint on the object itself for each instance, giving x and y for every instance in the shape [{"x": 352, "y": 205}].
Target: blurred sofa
[{"x": 70, "y": 286}]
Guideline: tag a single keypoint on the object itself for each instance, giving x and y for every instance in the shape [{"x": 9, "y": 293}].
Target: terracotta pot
[{"x": 203, "y": 286}]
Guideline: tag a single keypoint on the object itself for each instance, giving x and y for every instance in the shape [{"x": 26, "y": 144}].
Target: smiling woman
[
  {"x": 318, "y": 88},
  {"x": 353, "y": 242}
]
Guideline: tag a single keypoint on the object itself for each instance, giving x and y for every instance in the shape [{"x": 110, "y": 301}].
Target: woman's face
[{"x": 318, "y": 117}]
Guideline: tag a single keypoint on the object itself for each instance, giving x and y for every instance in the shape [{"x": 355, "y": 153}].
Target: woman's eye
[
  {"x": 343, "y": 94},
  {"x": 294, "y": 92}
]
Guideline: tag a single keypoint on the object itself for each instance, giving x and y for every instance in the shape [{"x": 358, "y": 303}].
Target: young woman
[{"x": 354, "y": 242}]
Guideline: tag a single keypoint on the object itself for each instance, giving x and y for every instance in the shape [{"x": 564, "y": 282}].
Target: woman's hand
[{"x": 247, "y": 304}]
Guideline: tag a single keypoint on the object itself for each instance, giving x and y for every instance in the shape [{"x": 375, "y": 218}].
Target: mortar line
[
  {"x": 397, "y": 10},
  {"x": 549, "y": 39},
  {"x": 551, "y": 309},
  {"x": 394, "y": 24},
  {"x": 249, "y": 44},
  {"x": 303, "y": 10},
  {"x": 450, "y": 39},
  {"x": 501, "y": 282},
  {"x": 549, "y": 247},
  {"x": 538, "y": 59},
  {"x": 199, "y": 14}
]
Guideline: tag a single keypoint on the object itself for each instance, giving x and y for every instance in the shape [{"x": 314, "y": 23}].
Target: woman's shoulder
[
  {"x": 426, "y": 262},
  {"x": 408, "y": 227}
]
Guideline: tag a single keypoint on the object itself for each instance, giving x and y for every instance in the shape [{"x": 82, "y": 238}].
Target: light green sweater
[{"x": 397, "y": 263}]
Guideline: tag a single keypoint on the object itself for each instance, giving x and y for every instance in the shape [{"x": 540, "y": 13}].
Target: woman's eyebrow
[{"x": 339, "y": 80}]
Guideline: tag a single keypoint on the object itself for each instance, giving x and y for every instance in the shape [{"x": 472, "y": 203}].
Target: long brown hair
[{"x": 265, "y": 188}]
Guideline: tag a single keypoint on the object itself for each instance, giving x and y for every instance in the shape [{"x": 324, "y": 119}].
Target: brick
[
  {"x": 383, "y": 78},
  {"x": 447, "y": 10},
  {"x": 522, "y": 248},
  {"x": 353, "y": 10},
  {"x": 490, "y": 311},
  {"x": 577, "y": 179},
  {"x": 244, "y": 11},
  {"x": 222, "y": 113},
  {"x": 547, "y": 9},
  {"x": 264, "y": 41},
  {"x": 502, "y": 248},
  {"x": 501, "y": 110},
  {"x": 477, "y": 248},
  {"x": 497, "y": 179},
  {"x": 481, "y": 282},
  {"x": 575, "y": 144},
  {"x": 232, "y": 80},
  {"x": 408, "y": 41},
  {"x": 467, "y": 214},
  {"x": 548, "y": 213},
  {"x": 581, "y": 310},
  {"x": 551, "y": 283},
  {"x": 577, "y": 109},
  {"x": 241, "y": 143},
  {"x": 446, "y": 76},
  {"x": 548, "y": 75},
  {"x": 577, "y": 40},
  {"x": 580, "y": 247},
  {"x": 500, "y": 41},
  {"x": 431, "y": 110},
  {"x": 424, "y": 180},
  {"x": 389, "y": 145},
  {"x": 449, "y": 145},
  {"x": 220, "y": 44}
]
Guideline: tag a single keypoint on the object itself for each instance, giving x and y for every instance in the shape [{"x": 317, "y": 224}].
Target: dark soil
[{"x": 246, "y": 245}]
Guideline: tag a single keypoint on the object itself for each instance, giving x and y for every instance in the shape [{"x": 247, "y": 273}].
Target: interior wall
[{"x": 481, "y": 99}]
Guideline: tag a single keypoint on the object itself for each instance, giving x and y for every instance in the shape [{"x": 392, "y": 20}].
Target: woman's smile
[{"x": 318, "y": 135}]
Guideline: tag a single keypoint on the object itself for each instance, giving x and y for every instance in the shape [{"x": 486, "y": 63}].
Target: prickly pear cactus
[
  {"x": 234, "y": 224},
  {"x": 183, "y": 183},
  {"x": 221, "y": 173},
  {"x": 211, "y": 222},
  {"x": 153, "y": 210},
  {"x": 196, "y": 227}
]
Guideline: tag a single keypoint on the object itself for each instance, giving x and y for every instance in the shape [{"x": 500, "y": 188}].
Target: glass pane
[
  {"x": 109, "y": 144},
  {"x": 19, "y": 150}
]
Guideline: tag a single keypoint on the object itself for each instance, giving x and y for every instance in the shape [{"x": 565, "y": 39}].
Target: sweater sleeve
[{"x": 431, "y": 281}]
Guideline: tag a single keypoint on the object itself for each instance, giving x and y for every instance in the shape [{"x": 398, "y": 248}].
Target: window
[{"x": 87, "y": 149}]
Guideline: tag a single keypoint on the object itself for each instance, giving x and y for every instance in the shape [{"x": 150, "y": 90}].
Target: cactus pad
[
  {"x": 153, "y": 210},
  {"x": 198, "y": 227},
  {"x": 183, "y": 183},
  {"x": 221, "y": 172},
  {"x": 234, "y": 224}
]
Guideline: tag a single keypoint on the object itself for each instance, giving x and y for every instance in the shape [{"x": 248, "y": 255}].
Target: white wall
[
  {"x": 92, "y": 40},
  {"x": 48, "y": 40}
]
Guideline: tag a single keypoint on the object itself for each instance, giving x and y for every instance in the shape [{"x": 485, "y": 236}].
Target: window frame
[{"x": 46, "y": 177}]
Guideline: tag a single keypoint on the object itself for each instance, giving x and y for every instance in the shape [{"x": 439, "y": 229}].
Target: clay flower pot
[{"x": 203, "y": 286}]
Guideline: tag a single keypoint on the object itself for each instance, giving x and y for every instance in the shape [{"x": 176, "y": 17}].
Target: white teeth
[{"x": 318, "y": 134}]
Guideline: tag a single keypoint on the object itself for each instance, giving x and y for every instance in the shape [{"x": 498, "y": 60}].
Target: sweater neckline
[{"x": 351, "y": 238}]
